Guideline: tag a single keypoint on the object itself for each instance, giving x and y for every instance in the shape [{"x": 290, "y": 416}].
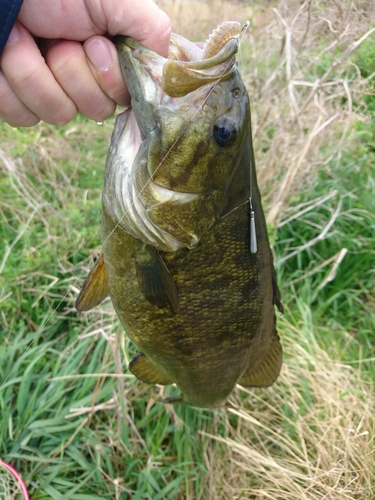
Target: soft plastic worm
[{"x": 219, "y": 37}]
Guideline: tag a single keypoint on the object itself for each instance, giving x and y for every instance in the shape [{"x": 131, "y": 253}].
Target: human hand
[{"x": 59, "y": 60}]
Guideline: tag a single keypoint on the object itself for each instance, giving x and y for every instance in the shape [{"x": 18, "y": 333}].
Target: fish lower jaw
[{"x": 158, "y": 195}]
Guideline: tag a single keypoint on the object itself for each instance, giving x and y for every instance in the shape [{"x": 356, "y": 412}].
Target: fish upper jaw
[
  {"x": 147, "y": 196},
  {"x": 151, "y": 78}
]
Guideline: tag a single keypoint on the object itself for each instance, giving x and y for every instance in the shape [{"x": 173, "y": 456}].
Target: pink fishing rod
[{"x": 17, "y": 477}]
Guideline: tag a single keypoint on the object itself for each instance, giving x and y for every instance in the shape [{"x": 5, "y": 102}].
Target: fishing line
[
  {"x": 178, "y": 137},
  {"x": 229, "y": 63},
  {"x": 241, "y": 36},
  {"x": 50, "y": 314},
  {"x": 244, "y": 29},
  {"x": 234, "y": 209},
  {"x": 253, "y": 237}
]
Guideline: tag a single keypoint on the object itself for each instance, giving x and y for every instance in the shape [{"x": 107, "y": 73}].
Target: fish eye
[
  {"x": 225, "y": 131},
  {"x": 236, "y": 93}
]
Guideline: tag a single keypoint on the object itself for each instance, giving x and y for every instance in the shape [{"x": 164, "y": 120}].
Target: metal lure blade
[{"x": 253, "y": 236}]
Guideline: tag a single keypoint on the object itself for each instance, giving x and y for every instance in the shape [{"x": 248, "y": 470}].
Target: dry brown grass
[
  {"x": 311, "y": 436},
  {"x": 196, "y": 19},
  {"x": 44, "y": 199},
  {"x": 295, "y": 61}
]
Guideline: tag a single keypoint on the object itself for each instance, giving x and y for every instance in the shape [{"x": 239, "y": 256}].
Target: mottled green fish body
[{"x": 179, "y": 263}]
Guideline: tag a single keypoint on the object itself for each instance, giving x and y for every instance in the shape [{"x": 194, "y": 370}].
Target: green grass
[
  {"x": 79, "y": 426},
  {"x": 344, "y": 307},
  {"x": 53, "y": 362},
  {"x": 46, "y": 349},
  {"x": 81, "y": 455}
]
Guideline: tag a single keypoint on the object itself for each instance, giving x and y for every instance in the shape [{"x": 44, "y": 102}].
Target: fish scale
[{"x": 201, "y": 312}]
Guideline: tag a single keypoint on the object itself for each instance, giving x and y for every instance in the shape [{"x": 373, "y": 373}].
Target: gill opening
[{"x": 241, "y": 35}]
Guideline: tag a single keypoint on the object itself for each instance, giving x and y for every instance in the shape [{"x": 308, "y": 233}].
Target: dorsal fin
[{"x": 95, "y": 288}]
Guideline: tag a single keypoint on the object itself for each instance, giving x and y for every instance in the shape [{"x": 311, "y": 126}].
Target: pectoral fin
[
  {"x": 95, "y": 288},
  {"x": 265, "y": 373},
  {"x": 146, "y": 371},
  {"x": 157, "y": 283}
]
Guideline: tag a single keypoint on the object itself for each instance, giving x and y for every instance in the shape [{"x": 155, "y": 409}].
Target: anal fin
[
  {"x": 95, "y": 288},
  {"x": 265, "y": 373},
  {"x": 145, "y": 370}
]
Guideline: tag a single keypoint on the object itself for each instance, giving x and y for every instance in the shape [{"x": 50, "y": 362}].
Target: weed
[{"x": 74, "y": 421}]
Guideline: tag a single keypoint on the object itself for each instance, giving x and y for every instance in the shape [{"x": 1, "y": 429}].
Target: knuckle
[
  {"x": 64, "y": 58},
  {"x": 30, "y": 121},
  {"x": 23, "y": 78},
  {"x": 162, "y": 29},
  {"x": 12, "y": 110},
  {"x": 63, "y": 115},
  {"x": 165, "y": 27},
  {"x": 102, "y": 111},
  {"x": 18, "y": 118}
]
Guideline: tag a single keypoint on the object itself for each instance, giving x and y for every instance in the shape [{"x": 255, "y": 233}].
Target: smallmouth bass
[{"x": 186, "y": 257}]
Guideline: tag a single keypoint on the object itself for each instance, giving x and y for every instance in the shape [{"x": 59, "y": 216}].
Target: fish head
[{"x": 176, "y": 150}]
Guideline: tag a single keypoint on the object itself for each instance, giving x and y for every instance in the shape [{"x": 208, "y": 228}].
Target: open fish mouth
[
  {"x": 181, "y": 174},
  {"x": 167, "y": 95},
  {"x": 189, "y": 66}
]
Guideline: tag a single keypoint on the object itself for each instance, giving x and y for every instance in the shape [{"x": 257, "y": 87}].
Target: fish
[{"x": 186, "y": 257}]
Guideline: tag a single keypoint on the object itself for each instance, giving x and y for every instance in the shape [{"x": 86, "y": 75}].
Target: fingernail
[
  {"x": 99, "y": 54},
  {"x": 13, "y": 36}
]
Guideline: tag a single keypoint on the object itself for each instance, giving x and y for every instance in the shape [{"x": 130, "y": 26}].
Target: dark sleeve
[{"x": 9, "y": 10}]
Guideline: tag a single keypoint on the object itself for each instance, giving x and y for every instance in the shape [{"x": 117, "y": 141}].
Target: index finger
[{"x": 145, "y": 22}]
